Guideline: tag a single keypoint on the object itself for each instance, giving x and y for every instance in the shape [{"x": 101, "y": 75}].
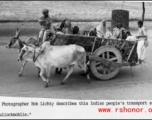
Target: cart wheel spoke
[
  {"x": 98, "y": 63},
  {"x": 103, "y": 55},
  {"x": 108, "y": 55},
  {"x": 112, "y": 59},
  {"x": 108, "y": 71},
  {"x": 104, "y": 71},
  {"x": 100, "y": 68}
]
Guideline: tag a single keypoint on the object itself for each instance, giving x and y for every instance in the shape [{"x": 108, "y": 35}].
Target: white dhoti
[
  {"x": 142, "y": 43},
  {"x": 141, "y": 49}
]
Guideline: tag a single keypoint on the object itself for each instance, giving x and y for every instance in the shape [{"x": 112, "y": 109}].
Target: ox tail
[
  {"x": 81, "y": 57},
  {"x": 86, "y": 72},
  {"x": 86, "y": 68}
]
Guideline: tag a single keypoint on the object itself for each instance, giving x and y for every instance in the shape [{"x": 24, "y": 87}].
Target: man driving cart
[{"x": 46, "y": 26}]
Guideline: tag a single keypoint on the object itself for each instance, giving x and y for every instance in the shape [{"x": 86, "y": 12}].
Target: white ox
[{"x": 47, "y": 57}]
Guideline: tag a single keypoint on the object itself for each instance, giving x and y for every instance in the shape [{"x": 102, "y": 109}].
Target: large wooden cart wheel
[{"x": 109, "y": 53}]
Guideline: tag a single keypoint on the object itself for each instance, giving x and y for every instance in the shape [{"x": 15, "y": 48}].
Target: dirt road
[{"x": 123, "y": 86}]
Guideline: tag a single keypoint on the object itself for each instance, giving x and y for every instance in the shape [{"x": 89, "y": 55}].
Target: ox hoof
[
  {"x": 20, "y": 74},
  {"x": 59, "y": 72},
  {"x": 48, "y": 81},
  {"x": 62, "y": 83},
  {"x": 88, "y": 81},
  {"x": 38, "y": 75},
  {"x": 46, "y": 85},
  {"x": 82, "y": 74}
]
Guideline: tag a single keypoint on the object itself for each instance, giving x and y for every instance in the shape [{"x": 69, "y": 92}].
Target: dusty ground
[{"x": 123, "y": 86}]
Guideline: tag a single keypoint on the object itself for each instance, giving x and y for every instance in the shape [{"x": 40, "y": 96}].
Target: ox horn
[{"x": 17, "y": 33}]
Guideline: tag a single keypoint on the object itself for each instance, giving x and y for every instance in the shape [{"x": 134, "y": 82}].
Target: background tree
[{"x": 143, "y": 14}]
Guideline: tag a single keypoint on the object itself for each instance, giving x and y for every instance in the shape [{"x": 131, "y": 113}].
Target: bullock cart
[{"x": 105, "y": 56}]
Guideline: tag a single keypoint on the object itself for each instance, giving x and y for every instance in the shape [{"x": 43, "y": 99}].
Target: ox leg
[
  {"x": 38, "y": 71},
  {"x": 48, "y": 70},
  {"x": 42, "y": 73},
  {"x": 58, "y": 71},
  {"x": 21, "y": 72},
  {"x": 71, "y": 67}
]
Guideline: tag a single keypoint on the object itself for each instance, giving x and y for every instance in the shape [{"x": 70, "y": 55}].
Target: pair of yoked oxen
[{"x": 47, "y": 56}]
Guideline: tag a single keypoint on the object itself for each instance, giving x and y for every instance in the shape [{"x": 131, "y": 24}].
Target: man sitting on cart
[
  {"x": 67, "y": 28},
  {"x": 46, "y": 26},
  {"x": 119, "y": 32},
  {"x": 61, "y": 26},
  {"x": 101, "y": 29}
]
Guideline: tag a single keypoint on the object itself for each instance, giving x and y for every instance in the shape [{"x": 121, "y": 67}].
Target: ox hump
[{"x": 79, "y": 48}]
